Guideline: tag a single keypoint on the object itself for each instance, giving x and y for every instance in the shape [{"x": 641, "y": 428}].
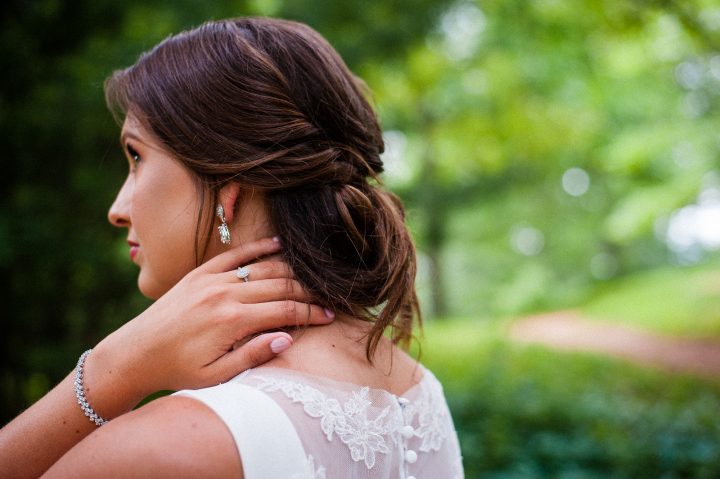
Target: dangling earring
[{"x": 223, "y": 228}]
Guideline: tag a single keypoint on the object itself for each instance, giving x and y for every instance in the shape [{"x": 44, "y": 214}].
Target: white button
[
  {"x": 407, "y": 432},
  {"x": 410, "y": 456},
  {"x": 403, "y": 401}
]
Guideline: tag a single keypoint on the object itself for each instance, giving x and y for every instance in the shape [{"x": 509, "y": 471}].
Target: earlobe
[
  {"x": 245, "y": 212},
  {"x": 228, "y": 198}
]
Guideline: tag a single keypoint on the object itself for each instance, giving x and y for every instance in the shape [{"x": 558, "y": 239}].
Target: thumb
[{"x": 251, "y": 354}]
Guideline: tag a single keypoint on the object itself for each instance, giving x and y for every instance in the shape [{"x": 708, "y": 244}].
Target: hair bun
[{"x": 355, "y": 167}]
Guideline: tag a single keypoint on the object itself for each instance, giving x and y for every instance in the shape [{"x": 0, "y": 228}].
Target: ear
[{"x": 228, "y": 198}]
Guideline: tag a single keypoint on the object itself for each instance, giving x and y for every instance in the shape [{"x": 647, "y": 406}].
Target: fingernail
[
  {"x": 329, "y": 314},
  {"x": 278, "y": 345},
  {"x": 276, "y": 239}
]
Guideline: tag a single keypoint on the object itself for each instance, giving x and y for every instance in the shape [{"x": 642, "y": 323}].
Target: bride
[{"x": 254, "y": 212}]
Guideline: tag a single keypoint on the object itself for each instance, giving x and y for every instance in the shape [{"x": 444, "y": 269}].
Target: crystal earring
[{"x": 223, "y": 228}]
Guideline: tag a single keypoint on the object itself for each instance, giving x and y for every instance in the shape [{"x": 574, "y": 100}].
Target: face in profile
[{"x": 158, "y": 204}]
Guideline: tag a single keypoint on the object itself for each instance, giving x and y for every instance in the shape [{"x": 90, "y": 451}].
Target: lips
[{"x": 134, "y": 248}]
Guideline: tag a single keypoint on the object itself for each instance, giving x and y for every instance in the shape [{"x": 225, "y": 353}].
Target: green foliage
[
  {"x": 532, "y": 412},
  {"x": 623, "y": 90}
]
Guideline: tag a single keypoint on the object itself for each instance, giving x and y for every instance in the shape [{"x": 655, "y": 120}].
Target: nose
[{"x": 119, "y": 214}]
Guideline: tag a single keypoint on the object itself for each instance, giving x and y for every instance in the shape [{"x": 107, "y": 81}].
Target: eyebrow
[{"x": 128, "y": 134}]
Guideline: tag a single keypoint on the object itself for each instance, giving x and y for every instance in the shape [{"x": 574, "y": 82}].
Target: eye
[{"x": 133, "y": 154}]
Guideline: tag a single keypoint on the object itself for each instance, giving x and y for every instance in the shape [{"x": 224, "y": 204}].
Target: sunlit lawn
[{"x": 683, "y": 302}]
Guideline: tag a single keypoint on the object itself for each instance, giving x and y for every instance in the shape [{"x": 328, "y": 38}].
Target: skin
[{"x": 177, "y": 436}]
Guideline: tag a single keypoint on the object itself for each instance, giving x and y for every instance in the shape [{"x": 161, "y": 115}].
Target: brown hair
[{"x": 271, "y": 105}]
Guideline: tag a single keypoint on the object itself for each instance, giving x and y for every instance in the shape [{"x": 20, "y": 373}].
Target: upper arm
[{"x": 173, "y": 436}]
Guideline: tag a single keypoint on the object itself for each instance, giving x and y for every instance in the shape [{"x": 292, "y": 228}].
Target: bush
[{"x": 531, "y": 412}]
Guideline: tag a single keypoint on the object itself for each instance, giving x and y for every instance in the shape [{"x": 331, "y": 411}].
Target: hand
[{"x": 186, "y": 338}]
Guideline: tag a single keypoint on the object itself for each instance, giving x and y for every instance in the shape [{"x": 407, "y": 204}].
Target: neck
[{"x": 337, "y": 351}]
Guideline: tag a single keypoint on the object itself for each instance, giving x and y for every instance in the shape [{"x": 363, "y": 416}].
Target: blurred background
[{"x": 556, "y": 157}]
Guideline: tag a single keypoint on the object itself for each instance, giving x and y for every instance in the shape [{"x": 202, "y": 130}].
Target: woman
[{"x": 236, "y": 131}]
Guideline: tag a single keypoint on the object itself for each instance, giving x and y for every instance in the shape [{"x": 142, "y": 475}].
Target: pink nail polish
[
  {"x": 329, "y": 314},
  {"x": 278, "y": 345}
]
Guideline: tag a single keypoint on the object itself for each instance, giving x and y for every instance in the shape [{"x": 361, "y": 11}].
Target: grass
[
  {"x": 679, "y": 302},
  {"x": 526, "y": 411}
]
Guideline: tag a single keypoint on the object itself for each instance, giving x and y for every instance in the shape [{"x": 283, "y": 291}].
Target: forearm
[{"x": 37, "y": 438}]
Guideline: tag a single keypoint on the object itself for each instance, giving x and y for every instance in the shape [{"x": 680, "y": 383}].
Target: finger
[
  {"x": 268, "y": 290},
  {"x": 243, "y": 254},
  {"x": 279, "y": 314},
  {"x": 251, "y": 354},
  {"x": 260, "y": 270}
]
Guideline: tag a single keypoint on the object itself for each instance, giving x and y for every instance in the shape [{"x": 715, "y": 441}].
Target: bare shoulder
[{"x": 171, "y": 437}]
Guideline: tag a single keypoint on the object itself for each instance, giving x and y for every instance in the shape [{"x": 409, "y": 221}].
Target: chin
[{"x": 149, "y": 287}]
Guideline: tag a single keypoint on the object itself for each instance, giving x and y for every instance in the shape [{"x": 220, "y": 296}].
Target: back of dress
[{"x": 288, "y": 424}]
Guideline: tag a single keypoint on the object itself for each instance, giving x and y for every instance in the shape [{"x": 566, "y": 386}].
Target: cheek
[
  {"x": 165, "y": 219},
  {"x": 170, "y": 253}
]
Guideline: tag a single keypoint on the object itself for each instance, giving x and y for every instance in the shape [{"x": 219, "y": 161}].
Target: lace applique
[
  {"x": 310, "y": 472},
  {"x": 364, "y": 437},
  {"x": 433, "y": 418}
]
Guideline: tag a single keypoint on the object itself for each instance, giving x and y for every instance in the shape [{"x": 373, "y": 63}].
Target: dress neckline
[{"x": 339, "y": 384}]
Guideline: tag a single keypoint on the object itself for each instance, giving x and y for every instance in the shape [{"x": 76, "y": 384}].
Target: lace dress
[{"x": 290, "y": 425}]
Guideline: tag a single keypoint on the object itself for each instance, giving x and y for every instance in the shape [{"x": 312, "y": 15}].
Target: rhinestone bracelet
[{"x": 80, "y": 392}]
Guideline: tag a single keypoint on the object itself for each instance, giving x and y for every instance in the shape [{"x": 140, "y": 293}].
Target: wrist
[
  {"x": 108, "y": 387},
  {"x": 80, "y": 396}
]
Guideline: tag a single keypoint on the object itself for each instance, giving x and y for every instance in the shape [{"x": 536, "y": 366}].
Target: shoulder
[{"x": 169, "y": 437}]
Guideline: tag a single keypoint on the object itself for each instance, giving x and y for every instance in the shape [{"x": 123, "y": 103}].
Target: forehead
[{"x": 132, "y": 127}]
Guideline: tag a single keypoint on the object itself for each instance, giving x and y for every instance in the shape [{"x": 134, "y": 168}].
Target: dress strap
[{"x": 266, "y": 439}]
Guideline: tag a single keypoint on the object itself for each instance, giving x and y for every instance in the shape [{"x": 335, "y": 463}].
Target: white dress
[{"x": 291, "y": 425}]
